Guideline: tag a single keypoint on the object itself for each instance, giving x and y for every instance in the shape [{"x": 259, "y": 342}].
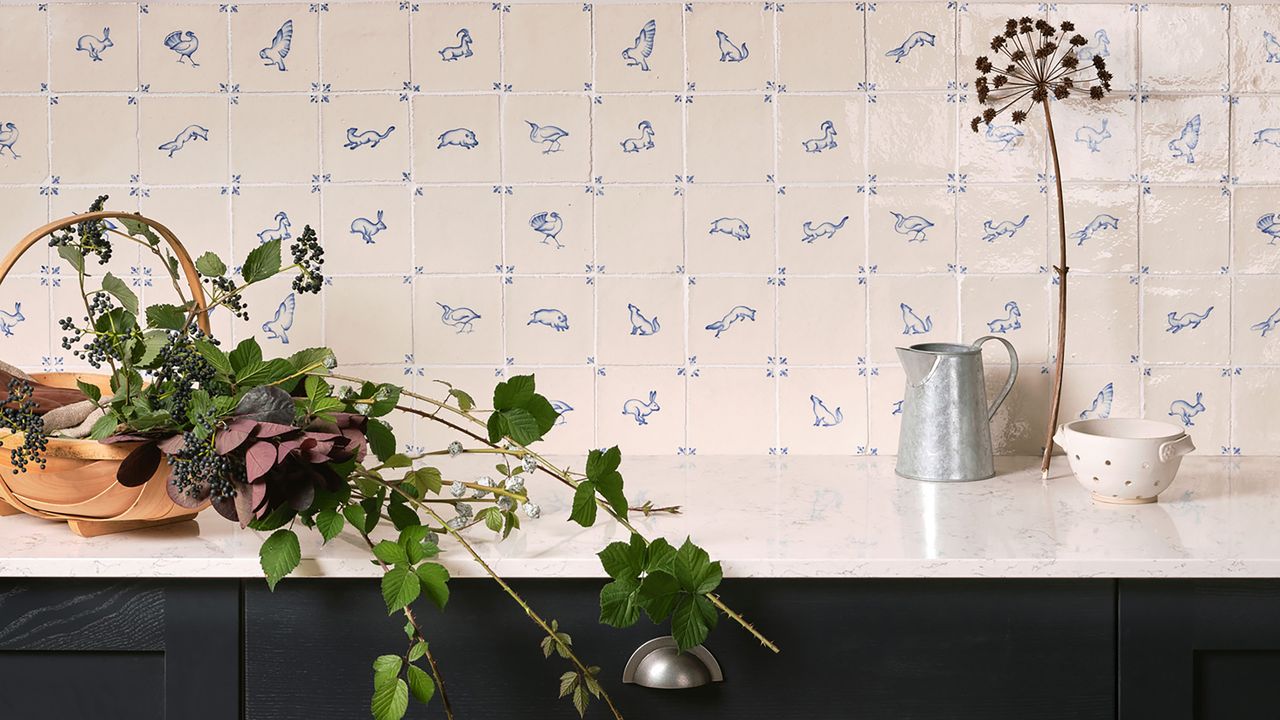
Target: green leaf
[
  {"x": 421, "y": 684},
  {"x": 660, "y": 557},
  {"x": 153, "y": 341},
  {"x": 275, "y": 519},
  {"x": 403, "y": 516},
  {"x": 315, "y": 360},
  {"x": 624, "y": 561},
  {"x": 609, "y": 485},
  {"x": 391, "y": 701},
  {"x": 73, "y": 258},
  {"x": 435, "y": 583},
  {"x": 330, "y": 523},
  {"x": 694, "y": 569},
  {"x": 513, "y": 393},
  {"x": 521, "y": 426},
  {"x": 692, "y": 620},
  {"x": 93, "y": 392},
  {"x": 418, "y": 650},
  {"x": 496, "y": 426},
  {"x": 104, "y": 427},
  {"x": 247, "y": 354},
  {"x": 117, "y": 287},
  {"x": 399, "y": 588},
  {"x": 600, "y": 463},
  {"x": 166, "y": 317},
  {"x": 214, "y": 356},
  {"x": 267, "y": 373},
  {"x": 262, "y": 262},
  {"x": 397, "y": 461},
  {"x": 390, "y": 553},
  {"x": 210, "y": 265},
  {"x": 355, "y": 516},
  {"x": 386, "y": 668},
  {"x": 618, "y": 603},
  {"x": 137, "y": 228},
  {"x": 465, "y": 401},
  {"x": 542, "y": 411},
  {"x": 427, "y": 479},
  {"x": 279, "y": 555},
  {"x": 658, "y": 594},
  {"x": 381, "y": 440},
  {"x": 492, "y": 518},
  {"x": 584, "y": 504}
]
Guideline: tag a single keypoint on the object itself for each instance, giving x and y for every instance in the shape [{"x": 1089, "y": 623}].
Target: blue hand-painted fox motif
[
  {"x": 823, "y": 229},
  {"x": 357, "y": 138},
  {"x": 1098, "y": 223},
  {"x": 1178, "y": 323},
  {"x": 1005, "y": 228},
  {"x": 188, "y": 134},
  {"x": 739, "y": 312},
  {"x": 916, "y": 39}
]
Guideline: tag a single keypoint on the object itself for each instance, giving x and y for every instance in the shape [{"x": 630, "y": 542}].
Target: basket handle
[{"x": 180, "y": 252}]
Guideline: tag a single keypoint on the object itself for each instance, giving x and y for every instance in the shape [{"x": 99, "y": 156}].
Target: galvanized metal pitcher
[{"x": 946, "y": 424}]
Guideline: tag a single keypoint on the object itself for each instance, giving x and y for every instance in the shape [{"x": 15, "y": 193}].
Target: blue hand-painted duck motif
[
  {"x": 1184, "y": 410},
  {"x": 916, "y": 39},
  {"x": 1010, "y": 322},
  {"x": 738, "y": 313},
  {"x": 275, "y": 53},
  {"x": 95, "y": 46},
  {"x": 9, "y": 319},
  {"x": 640, "y": 410},
  {"x": 644, "y": 142},
  {"x": 1100, "y": 47},
  {"x": 822, "y": 417},
  {"x": 1101, "y": 407},
  {"x": 9, "y": 138},
  {"x": 826, "y": 142},
  {"x": 451, "y": 53},
  {"x": 279, "y": 232},
  {"x": 548, "y": 135},
  {"x": 1185, "y": 144},
  {"x": 1269, "y": 136},
  {"x": 1093, "y": 137},
  {"x": 188, "y": 134},
  {"x": 641, "y": 325},
  {"x": 548, "y": 225},
  {"x": 551, "y": 317},
  {"x": 1187, "y": 320},
  {"x": 562, "y": 408},
  {"x": 278, "y": 327},
  {"x": 823, "y": 229},
  {"x": 184, "y": 43},
  {"x": 912, "y": 225},
  {"x": 457, "y": 137},
  {"x": 458, "y": 317},
  {"x": 1271, "y": 323},
  {"x": 1268, "y": 224},
  {"x": 730, "y": 52},
  {"x": 911, "y": 322},
  {"x": 1097, "y": 224},
  {"x": 731, "y": 226},
  {"x": 1004, "y": 228},
  {"x": 366, "y": 228},
  {"x": 357, "y": 138},
  {"x": 638, "y": 54}
]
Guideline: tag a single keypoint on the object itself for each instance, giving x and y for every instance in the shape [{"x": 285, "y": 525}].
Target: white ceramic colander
[{"x": 1124, "y": 460}]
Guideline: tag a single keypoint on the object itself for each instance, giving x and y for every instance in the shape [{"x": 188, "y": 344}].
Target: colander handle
[
  {"x": 1174, "y": 448},
  {"x": 1013, "y": 372}
]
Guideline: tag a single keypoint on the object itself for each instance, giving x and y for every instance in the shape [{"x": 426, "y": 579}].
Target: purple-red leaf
[
  {"x": 140, "y": 465},
  {"x": 235, "y": 434},
  {"x": 237, "y": 508},
  {"x": 258, "y": 459},
  {"x": 270, "y": 429},
  {"x": 173, "y": 444},
  {"x": 184, "y": 499}
]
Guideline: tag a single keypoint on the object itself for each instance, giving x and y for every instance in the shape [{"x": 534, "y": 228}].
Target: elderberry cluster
[
  {"x": 200, "y": 472},
  {"x": 231, "y": 298},
  {"x": 18, "y": 414},
  {"x": 309, "y": 257},
  {"x": 181, "y": 365},
  {"x": 89, "y": 237}
]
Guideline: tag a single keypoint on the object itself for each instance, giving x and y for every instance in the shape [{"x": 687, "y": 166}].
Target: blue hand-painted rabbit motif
[
  {"x": 823, "y": 229},
  {"x": 1268, "y": 224},
  {"x": 279, "y": 232},
  {"x": 641, "y": 325},
  {"x": 275, "y": 53},
  {"x": 188, "y": 134},
  {"x": 1012, "y": 321},
  {"x": 551, "y": 317},
  {"x": 1272, "y": 46},
  {"x": 1093, "y": 138},
  {"x": 1005, "y": 228},
  {"x": 95, "y": 46},
  {"x": 9, "y": 138},
  {"x": 1101, "y": 407},
  {"x": 562, "y": 408},
  {"x": 912, "y": 225},
  {"x": 278, "y": 327},
  {"x": 184, "y": 43},
  {"x": 1266, "y": 326},
  {"x": 1100, "y": 47},
  {"x": 730, "y": 52},
  {"x": 548, "y": 225},
  {"x": 638, "y": 54},
  {"x": 916, "y": 39},
  {"x": 1269, "y": 136},
  {"x": 457, "y": 137},
  {"x": 451, "y": 53},
  {"x": 357, "y": 138},
  {"x": 458, "y": 317},
  {"x": 644, "y": 142},
  {"x": 366, "y": 228},
  {"x": 822, "y": 417},
  {"x": 1007, "y": 137},
  {"x": 739, "y": 312},
  {"x": 1097, "y": 224},
  {"x": 548, "y": 135},
  {"x": 911, "y": 322},
  {"x": 1187, "y": 320},
  {"x": 1185, "y": 144},
  {"x": 9, "y": 319},
  {"x": 640, "y": 410},
  {"x": 827, "y": 141},
  {"x": 1184, "y": 410},
  {"x": 732, "y": 226}
]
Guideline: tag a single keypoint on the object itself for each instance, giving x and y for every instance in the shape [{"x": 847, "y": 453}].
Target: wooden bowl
[{"x": 78, "y": 484}]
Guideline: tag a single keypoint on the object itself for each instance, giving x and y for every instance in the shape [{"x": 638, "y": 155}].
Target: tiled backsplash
[{"x": 705, "y": 225}]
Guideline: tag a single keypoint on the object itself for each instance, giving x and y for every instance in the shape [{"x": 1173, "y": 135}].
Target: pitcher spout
[{"x": 917, "y": 365}]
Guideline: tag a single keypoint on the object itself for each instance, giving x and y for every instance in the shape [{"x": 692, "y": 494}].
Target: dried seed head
[{"x": 1019, "y": 116}]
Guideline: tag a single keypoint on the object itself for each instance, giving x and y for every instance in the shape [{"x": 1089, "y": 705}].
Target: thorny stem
[{"x": 1061, "y": 269}]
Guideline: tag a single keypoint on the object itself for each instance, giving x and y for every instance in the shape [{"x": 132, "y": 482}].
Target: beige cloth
[{"x": 72, "y": 421}]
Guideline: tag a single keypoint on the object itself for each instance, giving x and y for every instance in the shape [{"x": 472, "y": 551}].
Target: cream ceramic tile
[
  {"x": 640, "y": 229},
  {"x": 24, "y": 139},
  {"x": 548, "y": 229},
  {"x": 1186, "y": 229},
  {"x": 275, "y": 138},
  {"x": 1015, "y": 308},
  {"x": 633, "y": 55},
  {"x": 822, "y": 411},
  {"x": 1018, "y": 427},
  {"x": 260, "y": 214},
  {"x": 183, "y": 139},
  {"x": 1184, "y": 47},
  {"x": 977, "y": 24},
  {"x": 1255, "y": 48},
  {"x": 1255, "y": 311},
  {"x": 1198, "y": 399},
  {"x": 25, "y": 52},
  {"x": 912, "y": 137},
  {"x": 568, "y": 390},
  {"x": 1098, "y": 140},
  {"x": 911, "y": 46},
  {"x": 25, "y": 321},
  {"x": 1002, "y": 151},
  {"x": 547, "y": 138},
  {"x": 909, "y": 310},
  {"x": 456, "y": 139},
  {"x": 731, "y": 321},
  {"x": 912, "y": 229},
  {"x": 1255, "y": 151},
  {"x": 93, "y": 46},
  {"x": 458, "y": 320},
  {"x": 820, "y": 47},
  {"x": 1102, "y": 324},
  {"x": 1256, "y": 230},
  {"x": 1100, "y": 391},
  {"x": 1102, "y": 228},
  {"x": 641, "y": 408},
  {"x": 820, "y": 138},
  {"x": 1186, "y": 320},
  {"x": 729, "y": 229},
  {"x": 1112, "y": 33},
  {"x": 183, "y": 48},
  {"x": 641, "y": 321},
  {"x": 458, "y": 229},
  {"x": 26, "y": 210},
  {"x": 358, "y": 335},
  {"x": 638, "y": 139},
  {"x": 729, "y": 46},
  {"x": 550, "y": 320},
  {"x": 479, "y": 382},
  {"x": 78, "y": 123},
  {"x": 367, "y": 229},
  {"x": 731, "y": 411},
  {"x": 1256, "y": 430},
  {"x": 365, "y": 137},
  {"x": 283, "y": 321},
  {"x": 730, "y": 138},
  {"x": 1003, "y": 229},
  {"x": 456, "y": 47},
  {"x": 200, "y": 217},
  {"x": 365, "y": 46},
  {"x": 275, "y": 47},
  {"x": 886, "y": 387},
  {"x": 822, "y": 321},
  {"x": 530, "y": 63},
  {"x": 1185, "y": 138},
  {"x": 821, "y": 231}
]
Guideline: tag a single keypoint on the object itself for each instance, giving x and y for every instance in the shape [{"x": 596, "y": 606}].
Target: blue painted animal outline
[
  {"x": 638, "y": 54},
  {"x": 642, "y": 325},
  {"x": 1184, "y": 410},
  {"x": 367, "y": 229},
  {"x": 640, "y": 410},
  {"x": 278, "y": 327},
  {"x": 553, "y": 318},
  {"x": 919, "y": 38},
  {"x": 274, "y": 54},
  {"x": 737, "y": 314},
  {"x": 184, "y": 44},
  {"x": 9, "y": 320},
  {"x": 461, "y": 318},
  {"x": 822, "y": 416},
  {"x": 8, "y": 138}
]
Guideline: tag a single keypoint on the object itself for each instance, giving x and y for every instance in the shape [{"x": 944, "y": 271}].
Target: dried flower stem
[{"x": 1061, "y": 269}]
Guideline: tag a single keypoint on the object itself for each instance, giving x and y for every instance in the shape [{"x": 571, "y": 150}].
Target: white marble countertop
[{"x": 782, "y": 517}]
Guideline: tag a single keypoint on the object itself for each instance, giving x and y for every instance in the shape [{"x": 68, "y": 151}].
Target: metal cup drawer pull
[{"x": 659, "y": 664}]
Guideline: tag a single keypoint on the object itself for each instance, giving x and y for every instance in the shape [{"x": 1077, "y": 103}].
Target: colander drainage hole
[
  {"x": 1128, "y": 482},
  {"x": 1095, "y": 478},
  {"x": 1106, "y": 462},
  {"x": 1146, "y": 466},
  {"x": 1077, "y": 457}
]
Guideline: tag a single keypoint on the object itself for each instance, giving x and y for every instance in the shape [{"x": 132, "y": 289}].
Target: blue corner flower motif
[
  {"x": 912, "y": 324},
  {"x": 822, "y": 417},
  {"x": 277, "y": 328},
  {"x": 551, "y": 317},
  {"x": 913, "y": 225},
  {"x": 1269, "y": 136},
  {"x": 1007, "y": 137},
  {"x": 366, "y": 228},
  {"x": 184, "y": 43},
  {"x": 1093, "y": 137},
  {"x": 638, "y": 54},
  {"x": 1271, "y": 323},
  {"x": 188, "y": 134},
  {"x": 738, "y": 313},
  {"x": 1096, "y": 225},
  {"x": 1187, "y": 320},
  {"x": 916, "y": 39},
  {"x": 729, "y": 52},
  {"x": 95, "y": 46},
  {"x": 279, "y": 232},
  {"x": 458, "y": 317},
  {"x": 640, "y": 410},
  {"x": 275, "y": 53},
  {"x": 641, "y": 325},
  {"x": 1184, "y": 410},
  {"x": 9, "y": 319},
  {"x": 1268, "y": 224},
  {"x": 1185, "y": 144},
  {"x": 644, "y": 142},
  {"x": 827, "y": 141},
  {"x": 1101, "y": 407},
  {"x": 457, "y": 137},
  {"x": 546, "y": 135},
  {"x": 732, "y": 226},
  {"x": 823, "y": 229},
  {"x": 1273, "y": 47},
  {"x": 1099, "y": 47},
  {"x": 548, "y": 225},
  {"x": 450, "y": 53},
  {"x": 1010, "y": 322},
  {"x": 1004, "y": 228},
  {"x": 9, "y": 138},
  {"x": 357, "y": 138}
]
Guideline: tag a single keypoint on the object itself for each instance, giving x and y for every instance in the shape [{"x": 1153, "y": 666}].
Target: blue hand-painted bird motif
[
  {"x": 729, "y": 52},
  {"x": 1187, "y": 320},
  {"x": 739, "y": 312},
  {"x": 1272, "y": 47},
  {"x": 1007, "y": 137},
  {"x": 1004, "y": 228},
  {"x": 1268, "y": 224},
  {"x": 638, "y": 54},
  {"x": 914, "y": 40},
  {"x": 9, "y": 138},
  {"x": 1101, "y": 407},
  {"x": 1093, "y": 138},
  {"x": 277, "y": 328},
  {"x": 548, "y": 135},
  {"x": 95, "y": 46},
  {"x": 822, "y": 417},
  {"x": 457, "y": 137},
  {"x": 275, "y": 53},
  {"x": 548, "y": 225},
  {"x": 184, "y": 43},
  {"x": 188, "y": 134},
  {"x": 279, "y": 232},
  {"x": 1269, "y": 136},
  {"x": 9, "y": 319},
  {"x": 458, "y": 317},
  {"x": 551, "y": 317},
  {"x": 1097, "y": 224},
  {"x": 357, "y": 138},
  {"x": 451, "y": 53},
  {"x": 731, "y": 226},
  {"x": 911, "y": 322},
  {"x": 912, "y": 225},
  {"x": 640, "y": 410},
  {"x": 1010, "y": 322},
  {"x": 823, "y": 229},
  {"x": 1184, "y": 410},
  {"x": 641, "y": 325},
  {"x": 644, "y": 142},
  {"x": 827, "y": 141},
  {"x": 366, "y": 228},
  {"x": 1185, "y": 144},
  {"x": 1100, "y": 47},
  {"x": 562, "y": 408}
]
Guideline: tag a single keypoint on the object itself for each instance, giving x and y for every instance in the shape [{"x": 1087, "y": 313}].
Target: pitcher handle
[{"x": 1013, "y": 372}]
